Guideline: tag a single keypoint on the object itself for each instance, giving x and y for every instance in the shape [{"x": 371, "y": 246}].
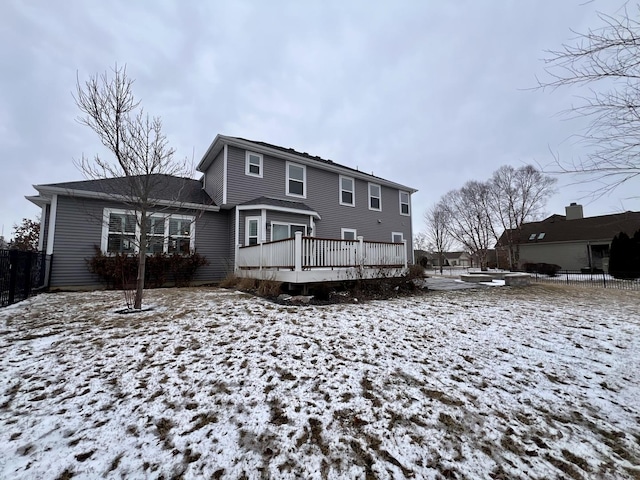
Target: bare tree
[
  {"x": 516, "y": 196},
  {"x": 139, "y": 148},
  {"x": 606, "y": 59},
  {"x": 469, "y": 218},
  {"x": 437, "y": 223}
]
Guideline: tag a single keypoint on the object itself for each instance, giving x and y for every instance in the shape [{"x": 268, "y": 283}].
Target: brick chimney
[{"x": 574, "y": 211}]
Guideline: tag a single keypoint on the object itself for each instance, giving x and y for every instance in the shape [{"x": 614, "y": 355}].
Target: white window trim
[
  {"x": 247, "y": 164},
  {"x": 373, "y": 196},
  {"x": 344, "y": 230},
  {"x": 289, "y": 225},
  {"x": 246, "y": 229},
  {"x": 304, "y": 180},
  {"x": 104, "y": 238},
  {"x": 353, "y": 191},
  {"x": 393, "y": 234},
  {"x": 407, "y": 203}
]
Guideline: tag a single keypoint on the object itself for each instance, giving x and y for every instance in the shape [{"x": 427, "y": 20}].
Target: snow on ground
[{"x": 538, "y": 382}]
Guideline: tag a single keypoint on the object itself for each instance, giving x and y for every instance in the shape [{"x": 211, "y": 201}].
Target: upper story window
[
  {"x": 375, "y": 197},
  {"x": 404, "y": 204},
  {"x": 253, "y": 164},
  {"x": 296, "y": 180},
  {"x": 347, "y": 191}
]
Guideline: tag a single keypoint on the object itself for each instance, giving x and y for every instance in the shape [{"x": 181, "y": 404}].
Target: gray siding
[
  {"x": 78, "y": 232},
  {"x": 323, "y": 191},
  {"x": 570, "y": 256},
  {"x": 214, "y": 178}
]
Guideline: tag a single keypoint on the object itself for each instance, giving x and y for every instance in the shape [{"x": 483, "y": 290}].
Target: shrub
[
  {"x": 269, "y": 288},
  {"x": 416, "y": 270},
  {"x": 120, "y": 270},
  {"x": 549, "y": 269}
]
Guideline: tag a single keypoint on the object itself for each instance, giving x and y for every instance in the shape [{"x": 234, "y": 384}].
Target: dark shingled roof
[
  {"x": 276, "y": 202},
  {"x": 164, "y": 187},
  {"x": 557, "y": 228}
]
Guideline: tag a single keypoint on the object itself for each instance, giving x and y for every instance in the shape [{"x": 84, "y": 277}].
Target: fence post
[
  {"x": 360, "y": 251},
  {"x": 567, "y": 274},
  {"x": 297, "y": 252},
  {"x": 13, "y": 274},
  {"x": 604, "y": 280},
  {"x": 404, "y": 250}
]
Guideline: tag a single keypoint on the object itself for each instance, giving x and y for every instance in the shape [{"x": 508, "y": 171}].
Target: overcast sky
[{"x": 427, "y": 94}]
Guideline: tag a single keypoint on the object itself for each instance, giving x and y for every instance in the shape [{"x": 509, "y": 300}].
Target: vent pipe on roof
[{"x": 574, "y": 211}]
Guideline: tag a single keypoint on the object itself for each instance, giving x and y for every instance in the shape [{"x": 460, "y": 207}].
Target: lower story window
[
  {"x": 280, "y": 231},
  {"x": 348, "y": 234},
  {"x": 165, "y": 233},
  {"x": 397, "y": 237}
]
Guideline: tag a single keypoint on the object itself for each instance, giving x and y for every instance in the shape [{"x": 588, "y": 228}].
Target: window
[
  {"x": 252, "y": 230},
  {"x": 253, "y": 164},
  {"x": 121, "y": 232},
  {"x": 404, "y": 203},
  {"x": 155, "y": 235},
  {"x": 375, "y": 202},
  {"x": 397, "y": 237},
  {"x": 165, "y": 233},
  {"x": 179, "y": 240},
  {"x": 296, "y": 180},
  {"x": 541, "y": 236},
  {"x": 532, "y": 236},
  {"x": 348, "y": 233},
  {"x": 347, "y": 191},
  {"x": 280, "y": 231}
]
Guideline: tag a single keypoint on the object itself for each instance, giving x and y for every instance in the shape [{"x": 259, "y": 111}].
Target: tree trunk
[{"x": 142, "y": 260}]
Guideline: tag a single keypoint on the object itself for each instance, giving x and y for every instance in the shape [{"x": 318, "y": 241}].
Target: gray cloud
[{"x": 426, "y": 94}]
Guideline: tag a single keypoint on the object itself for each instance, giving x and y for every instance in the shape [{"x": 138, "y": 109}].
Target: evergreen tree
[{"x": 621, "y": 256}]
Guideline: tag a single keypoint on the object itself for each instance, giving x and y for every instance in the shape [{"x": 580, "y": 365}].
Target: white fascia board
[
  {"x": 122, "y": 198},
  {"x": 53, "y": 212},
  {"x": 299, "y": 159},
  {"x": 38, "y": 200},
  {"x": 280, "y": 209},
  {"x": 225, "y": 159}
]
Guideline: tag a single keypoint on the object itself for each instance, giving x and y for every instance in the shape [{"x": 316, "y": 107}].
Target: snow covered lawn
[{"x": 539, "y": 382}]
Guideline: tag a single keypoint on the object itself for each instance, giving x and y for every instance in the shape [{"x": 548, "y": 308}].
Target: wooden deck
[{"x": 311, "y": 260}]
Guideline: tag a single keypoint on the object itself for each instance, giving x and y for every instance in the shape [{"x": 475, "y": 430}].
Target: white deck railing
[{"x": 305, "y": 253}]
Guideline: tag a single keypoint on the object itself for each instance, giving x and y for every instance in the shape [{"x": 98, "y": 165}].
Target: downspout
[{"x": 236, "y": 242}]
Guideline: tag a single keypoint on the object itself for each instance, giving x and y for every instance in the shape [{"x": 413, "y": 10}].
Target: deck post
[
  {"x": 260, "y": 268},
  {"x": 360, "y": 251},
  {"x": 297, "y": 252},
  {"x": 404, "y": 243}
]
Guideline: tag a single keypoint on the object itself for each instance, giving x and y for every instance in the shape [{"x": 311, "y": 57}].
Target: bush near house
[
  {"x": 542, "y": 268},
  {"x": 120, "y": 270},
  {"x": 624, "y": 257}
]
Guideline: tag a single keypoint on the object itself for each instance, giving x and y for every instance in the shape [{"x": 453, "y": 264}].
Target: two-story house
[{"x": 258, "y": 209}]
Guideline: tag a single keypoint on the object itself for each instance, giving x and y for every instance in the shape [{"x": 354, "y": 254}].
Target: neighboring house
[
  {"x": 250, "y": 194},
  {"x": 450, "y": 259},
  {"x": 572, "y": 241}
]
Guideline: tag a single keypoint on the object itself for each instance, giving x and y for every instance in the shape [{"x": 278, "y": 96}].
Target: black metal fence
[
  {"x": 601, "y": 280},
  {"x": 22, "y": 274}
]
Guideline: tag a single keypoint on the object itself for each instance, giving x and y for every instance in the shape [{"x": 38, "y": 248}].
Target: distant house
[
  {"x": 258, "y": 209},
  {"x": 450, "y": 259},
  {"x": 572, "y": 241}
]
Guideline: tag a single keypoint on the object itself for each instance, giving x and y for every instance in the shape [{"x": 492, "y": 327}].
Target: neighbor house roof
[
  {"x": 164, "y": 190},
  {"x": 557, "y": 228},
  {"x": 303, "y": 157}
]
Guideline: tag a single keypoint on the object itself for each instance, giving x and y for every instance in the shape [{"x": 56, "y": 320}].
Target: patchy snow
[{"x": 538, "y": 382}]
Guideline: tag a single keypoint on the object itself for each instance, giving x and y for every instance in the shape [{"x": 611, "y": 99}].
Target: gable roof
[
  {"x": 290, "y": 154},
  {"x": 557, "y": 228},
  {"x": 165, "y": 190}
]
